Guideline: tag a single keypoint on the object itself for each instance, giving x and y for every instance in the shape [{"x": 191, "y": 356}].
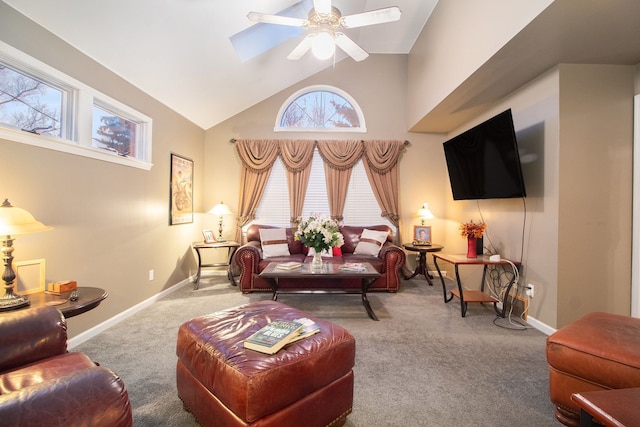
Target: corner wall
[
  {"x": 110, "y": 221},
  {"x": 576, "y": 243}
]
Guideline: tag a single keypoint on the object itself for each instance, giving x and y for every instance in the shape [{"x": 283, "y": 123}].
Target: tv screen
[{"x": 483, "y": 162}]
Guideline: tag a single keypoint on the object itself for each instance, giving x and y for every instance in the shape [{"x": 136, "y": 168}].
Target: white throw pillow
[
  {"x": 274, "y": 242},
  {"x": 325, "y": 253},
  {"x": 371, "y": 242}
]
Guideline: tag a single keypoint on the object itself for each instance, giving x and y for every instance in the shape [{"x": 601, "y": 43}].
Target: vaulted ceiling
[{"x": 180, "y": 53}]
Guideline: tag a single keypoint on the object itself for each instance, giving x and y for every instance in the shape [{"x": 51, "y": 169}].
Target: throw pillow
[
  {"x": 371, "y": 242},
  {"x": 325, "y": 253},
  {"x": 274, "y": 242}
]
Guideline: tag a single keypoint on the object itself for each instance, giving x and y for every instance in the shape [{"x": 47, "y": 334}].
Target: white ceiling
[{"x": 178, "y": 51}]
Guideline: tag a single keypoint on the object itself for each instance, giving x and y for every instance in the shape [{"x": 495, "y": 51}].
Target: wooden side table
[
  {"x": 422, "y": 267},
  {"x": 88, "y": 299},
  {"x": 468, "y": 295},
  {"x": 610, "y": 407},
  {"x": 231, "y": 249}
]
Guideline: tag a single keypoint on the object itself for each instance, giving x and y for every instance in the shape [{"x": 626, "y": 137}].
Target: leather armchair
[{"x": 41, "y": 383}]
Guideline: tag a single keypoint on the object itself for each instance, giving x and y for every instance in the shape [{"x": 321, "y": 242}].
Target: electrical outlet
[
  {"x": 530, "y": 290},
  {"x": 150, "y": 275}
]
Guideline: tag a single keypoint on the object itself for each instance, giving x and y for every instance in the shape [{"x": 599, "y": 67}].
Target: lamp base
[{"x": 11, "y": 301}]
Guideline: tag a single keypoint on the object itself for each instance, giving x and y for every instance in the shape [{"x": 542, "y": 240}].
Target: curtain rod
[{"x": 406, "y": 141}]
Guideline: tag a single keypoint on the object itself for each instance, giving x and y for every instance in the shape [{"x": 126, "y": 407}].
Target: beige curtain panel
[
  {"x": 297, "y": 156},
  {"x": 339, "y": 158},
  {"x": 381, "y": 164},
  {"x": 257, "y": 158}
]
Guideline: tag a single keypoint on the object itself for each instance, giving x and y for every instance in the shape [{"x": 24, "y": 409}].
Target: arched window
[{"x": 320, "y": 109}]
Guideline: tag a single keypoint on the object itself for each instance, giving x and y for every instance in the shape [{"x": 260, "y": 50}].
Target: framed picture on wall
[
  {"x": 181, "y": 190},
  {"x": 422, "y": 234}
]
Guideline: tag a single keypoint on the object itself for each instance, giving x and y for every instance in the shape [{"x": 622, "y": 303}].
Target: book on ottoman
[{"x": 274, "y": 336}]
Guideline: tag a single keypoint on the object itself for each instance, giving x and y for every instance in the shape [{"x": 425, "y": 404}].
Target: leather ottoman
[
  {"x": 308, "y": 383},
  {"x": 599, "y": 351}
]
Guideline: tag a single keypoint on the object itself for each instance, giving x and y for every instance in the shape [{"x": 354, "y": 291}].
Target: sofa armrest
[
  {"x": 392, "y": 256},
  {"x": 30, "y": 335},
  {"x": 89, "y": 397}
]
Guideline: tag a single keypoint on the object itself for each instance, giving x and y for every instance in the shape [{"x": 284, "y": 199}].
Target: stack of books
[
  {"x": 279, "y": 333},
  {"x": 352, "y": 266},
  {"x": 292, "y": 265}
]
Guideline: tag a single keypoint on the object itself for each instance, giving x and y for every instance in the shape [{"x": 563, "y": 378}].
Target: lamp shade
[
  {"x": 220, "y": 209},
  {"x": 425, "y": 212},
  {"x": 14, "y": 221}
]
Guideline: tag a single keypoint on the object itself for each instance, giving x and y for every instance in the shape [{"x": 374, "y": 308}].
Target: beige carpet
[{"x": 422, "y": 364}]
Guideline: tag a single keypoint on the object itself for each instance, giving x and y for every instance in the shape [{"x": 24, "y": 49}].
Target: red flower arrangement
[{"x": 472, "y": 229}]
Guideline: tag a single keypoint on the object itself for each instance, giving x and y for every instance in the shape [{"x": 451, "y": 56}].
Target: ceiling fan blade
[
  {"x": 349, "y": 46},
  {"x": 302, "y": 48},
  {"x": 277, "y": 19},
  {"x": 379, "y": 16},
  {"x": 322, "y": 7}
]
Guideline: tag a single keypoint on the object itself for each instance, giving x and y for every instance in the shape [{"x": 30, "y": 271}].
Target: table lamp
[
  {"x": 14, "y": 221},
  {"x": 220, "y": 209},
  {"x": 425, "y": 213}
]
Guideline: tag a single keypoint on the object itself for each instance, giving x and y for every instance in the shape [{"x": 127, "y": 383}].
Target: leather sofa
[
  {"x": 249, "y": 260},
  {"x": 41, "y": 383}
]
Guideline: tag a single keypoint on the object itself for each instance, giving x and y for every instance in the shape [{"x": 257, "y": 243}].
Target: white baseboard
[
  {"x": 435, "y": 273},
  {"x": 92, "y": 332},
  {"x": 542, "y": 327}
]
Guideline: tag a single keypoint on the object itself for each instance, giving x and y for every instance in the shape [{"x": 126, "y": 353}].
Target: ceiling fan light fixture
[{"x": 323, "y": 45}]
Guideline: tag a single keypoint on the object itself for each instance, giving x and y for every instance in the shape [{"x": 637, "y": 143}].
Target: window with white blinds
[{"x": 361, "y": 206}]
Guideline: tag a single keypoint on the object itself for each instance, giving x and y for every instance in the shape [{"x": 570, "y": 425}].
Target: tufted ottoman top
[{"x": 253, "y": 384}]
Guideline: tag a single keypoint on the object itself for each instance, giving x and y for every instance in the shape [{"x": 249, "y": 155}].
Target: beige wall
[
  {"x": 595, "y": 175},
  {"x": 379, "y": 86},
  {"x": 110, "y": 221},
  {"x": 578, "y": 120},
  {"x": 445, "y": 55}
]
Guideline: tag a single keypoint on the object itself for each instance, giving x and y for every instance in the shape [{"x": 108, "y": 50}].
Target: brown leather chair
[{"x": 41, "y": 383}]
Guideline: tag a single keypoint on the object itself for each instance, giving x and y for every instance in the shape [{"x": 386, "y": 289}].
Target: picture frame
[
  {"x": 181, "y": 190},
  {"x": 209, "y": 237},
  {"x": 422, "y": 234},
  {"x": 30, "y": 276}
]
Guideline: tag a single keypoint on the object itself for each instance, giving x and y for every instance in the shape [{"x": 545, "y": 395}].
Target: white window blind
[{"x": 361, "y": 207}]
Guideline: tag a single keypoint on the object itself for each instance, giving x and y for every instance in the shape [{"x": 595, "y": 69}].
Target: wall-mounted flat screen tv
[{"x": 483, "y": 162}]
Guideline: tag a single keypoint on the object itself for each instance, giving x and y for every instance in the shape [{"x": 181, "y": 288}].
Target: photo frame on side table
[
  {"x": 30, "y": 276},
  {"x": 209, "y": 237},
  {"x": 421, "y": 235},
  {"x": 181, "y": 190}
]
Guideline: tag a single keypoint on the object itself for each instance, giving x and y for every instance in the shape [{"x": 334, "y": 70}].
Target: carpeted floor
[{"x": 422, "y": 364}]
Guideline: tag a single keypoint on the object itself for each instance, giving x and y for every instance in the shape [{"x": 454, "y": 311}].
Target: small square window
[{"x": 113, "y": 132}]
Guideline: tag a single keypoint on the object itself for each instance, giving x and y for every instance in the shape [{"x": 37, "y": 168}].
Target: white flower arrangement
[{"x": 319, "y": 232}]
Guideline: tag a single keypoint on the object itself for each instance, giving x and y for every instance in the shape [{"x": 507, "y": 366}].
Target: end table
[
  {"x": 231, "y": 249},
  {"x": 422, "y": 267},
  {"x": 88, "y": 299}
]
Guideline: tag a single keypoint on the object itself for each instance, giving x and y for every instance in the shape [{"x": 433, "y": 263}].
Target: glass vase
[
  {"x": 472, "y": 249},
  {"x": 316, "y": 262}
]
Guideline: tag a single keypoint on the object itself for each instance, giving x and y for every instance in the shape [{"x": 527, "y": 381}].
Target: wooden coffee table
[{"x": 329, "y": 271}]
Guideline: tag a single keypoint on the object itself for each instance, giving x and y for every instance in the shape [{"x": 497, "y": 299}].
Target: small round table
[
  {"x": 88, "y": 299},
  {"x": 422, "y": 267}
]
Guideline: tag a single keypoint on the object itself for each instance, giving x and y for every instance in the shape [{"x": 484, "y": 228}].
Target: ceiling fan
[{"x": 326, "y": 22}]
